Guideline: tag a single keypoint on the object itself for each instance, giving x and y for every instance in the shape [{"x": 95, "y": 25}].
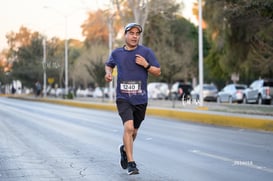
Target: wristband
[{"x": 147, "y": 68}]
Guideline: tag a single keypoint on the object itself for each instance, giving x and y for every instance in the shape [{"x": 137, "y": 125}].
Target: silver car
[
  {"x": 232, "y": 93},
  {"x": 209, "y": 92},
  {"x": 260, "y": 91},
  {"x": 158, "y": 90}
]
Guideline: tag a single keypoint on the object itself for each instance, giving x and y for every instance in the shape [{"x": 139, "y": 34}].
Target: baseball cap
[{"x": 129, "y": 26}]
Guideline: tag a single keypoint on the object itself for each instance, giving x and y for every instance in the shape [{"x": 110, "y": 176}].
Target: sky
[{"x": 49, "y": 16}]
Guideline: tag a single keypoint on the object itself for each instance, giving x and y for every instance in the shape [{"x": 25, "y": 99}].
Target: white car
[
  {"x": 56, "y": 92},
  {"x": 209, "y": 92},
  {"x": 232, "y": 93},
  {"x": 84, "y": 93},
  {"x": 158, "y": 90},
  {"x": 260, "y": 91}
]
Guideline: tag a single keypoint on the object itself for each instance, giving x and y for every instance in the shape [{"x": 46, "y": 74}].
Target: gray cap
[{"x": 129, "y": 26}]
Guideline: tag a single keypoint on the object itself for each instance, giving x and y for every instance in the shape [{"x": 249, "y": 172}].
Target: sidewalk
[{"x": 250, "y": 109}]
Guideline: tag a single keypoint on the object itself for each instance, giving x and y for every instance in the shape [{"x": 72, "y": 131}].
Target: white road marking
[
  {"x": 115, "y": 130},
  {"x": 248, "y": 164},
  {"x": 148, "y": 139}
]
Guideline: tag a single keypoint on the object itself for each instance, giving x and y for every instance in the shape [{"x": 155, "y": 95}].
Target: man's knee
[{"x": 129, "y": 127}]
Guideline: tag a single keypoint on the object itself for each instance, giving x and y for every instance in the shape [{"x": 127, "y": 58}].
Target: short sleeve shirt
[{"x": 131, "y": 77}]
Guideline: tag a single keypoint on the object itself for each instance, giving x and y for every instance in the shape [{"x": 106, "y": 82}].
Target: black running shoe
[
  {"x": 132, "y": 169},
  {"x": 123, "y": 157}
]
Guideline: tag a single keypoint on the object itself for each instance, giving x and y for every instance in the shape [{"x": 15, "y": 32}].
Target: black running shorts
[{"x": 128, "y": 111}]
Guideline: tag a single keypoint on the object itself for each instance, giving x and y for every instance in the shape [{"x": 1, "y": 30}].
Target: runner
[{"x": 133, "y": 62}]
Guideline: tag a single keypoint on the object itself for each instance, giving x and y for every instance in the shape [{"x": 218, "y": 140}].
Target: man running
[{"x": 133, "y": 62}]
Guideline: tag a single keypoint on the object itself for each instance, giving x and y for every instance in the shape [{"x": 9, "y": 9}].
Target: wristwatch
[{"x": 147, "y": 68}]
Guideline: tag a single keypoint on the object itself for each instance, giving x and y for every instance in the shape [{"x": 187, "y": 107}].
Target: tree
[
  {"x": 22, "y": 38},
  {"x": 26, "y": 53},
  {"x": 4, "y": 68},
  {"x": 27, "y": 66},
  {"x": 95, "y": 28},
  {"x": 96, "y": 71},
  {"x": 23, "y": 57},
  {"x": 95, "y": 52},
  {"x": 89, "y": 66},
  {"x": 174, "y": 40},
  {"x": 241, "y": 32}
]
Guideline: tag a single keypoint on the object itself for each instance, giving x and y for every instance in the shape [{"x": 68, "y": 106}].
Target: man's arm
[
  {"x": 156, "y": 71},
  {"x": 108, "y": 73}
]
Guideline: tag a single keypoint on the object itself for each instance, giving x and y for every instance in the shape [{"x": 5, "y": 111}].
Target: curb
[
  {"x": 218, "y": 119},
  {"x": 238, "y": 121}
]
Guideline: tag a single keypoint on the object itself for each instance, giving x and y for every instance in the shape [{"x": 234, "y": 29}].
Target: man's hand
[
  {"x": 141, "y": 61},
  {"x": 108, "y": 77}
]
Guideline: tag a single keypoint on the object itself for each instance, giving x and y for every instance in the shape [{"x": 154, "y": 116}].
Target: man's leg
[{"x": 129, "y": 135}]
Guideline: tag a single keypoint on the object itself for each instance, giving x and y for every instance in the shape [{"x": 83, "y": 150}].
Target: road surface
[{"x": 47, "y": 142}]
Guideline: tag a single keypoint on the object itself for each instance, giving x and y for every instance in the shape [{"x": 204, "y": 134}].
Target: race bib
[{"x": 130, "y": 87}]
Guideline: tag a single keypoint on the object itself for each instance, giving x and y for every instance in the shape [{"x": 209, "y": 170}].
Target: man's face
[{"x": 132, "y": 37}]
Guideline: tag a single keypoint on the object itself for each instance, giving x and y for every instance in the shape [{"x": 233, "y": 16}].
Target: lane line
[{"x": 242, "y": 163}]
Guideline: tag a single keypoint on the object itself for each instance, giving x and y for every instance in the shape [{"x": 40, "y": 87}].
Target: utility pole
[
  {"x": 200, "y": 43},
  {"x": 66, "y": 48},
  {"x": 66, "y": 58},
  {"x": 44, "y": 65}
]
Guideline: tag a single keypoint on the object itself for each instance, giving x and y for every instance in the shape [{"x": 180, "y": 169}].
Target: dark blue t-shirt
[{"x": 132, "y": 78}]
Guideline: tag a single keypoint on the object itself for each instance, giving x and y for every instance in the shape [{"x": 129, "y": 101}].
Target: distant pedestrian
[
  {"x": 38, "y": 87},
  {"x": 13, "y": 90},
  {"x": 133, "y": 62}
]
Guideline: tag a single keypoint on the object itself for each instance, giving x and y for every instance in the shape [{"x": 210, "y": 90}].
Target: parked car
[
  {"x": 84, "y": 92},
  {"x": 232, "y": 93},
  {"x": 158, "y": 90},
  {"x": 260, "y": 91},
  {"x": 57, "y": 92},
  {"x": 100, "y": 92},
  {"x": 180, "y": 90},
  {"x": 209, "y": 92}
]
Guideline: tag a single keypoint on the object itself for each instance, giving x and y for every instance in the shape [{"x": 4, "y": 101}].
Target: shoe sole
[{"x": 135, "y": 172}]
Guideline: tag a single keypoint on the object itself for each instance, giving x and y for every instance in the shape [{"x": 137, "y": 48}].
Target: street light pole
[
  {"x": 44, "y": 65},
  {"x": 200, "y": 42},
  {"x": 111, "y": 16},
  {"x": 65, "y": 51},
  {"x": 66, "y": 58}
]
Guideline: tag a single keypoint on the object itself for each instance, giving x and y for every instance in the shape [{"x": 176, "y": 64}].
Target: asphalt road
[{"x": 47, "y": 142}]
